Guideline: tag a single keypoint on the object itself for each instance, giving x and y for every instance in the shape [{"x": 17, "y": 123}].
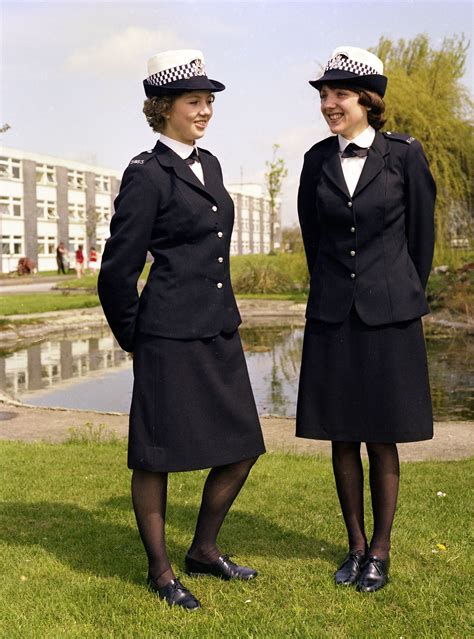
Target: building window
[
  {"x": 100, "y": 244},
  {"x": 47, "y": 245},
  {"x": 46, "y": 210},
  {"x": 76, "y": 180},
  {"x": 102, "y": 183},
  {"x": 266, "y": 247},
  {"x": 234, "y": 247},
  {"x": 76, "y": 211},
  {"x": 245, "y": 225},
  {"x": 45, "y": 174},
  {"x": 266, "y": 227},
  {"x": 245, "y": 202},
  {"x": 245, "y": 246},
  {"x": 11, "y": 206},
  {"x": 10, "y": 168},
  {"x": 75, "y": 242},
  {"x": 257, "y": 204},
  {"x": 12, "y": 245},
  {"x": 103, "y": 214},
  {"x": 256, "y": 225},
  {"x": 256, "y": 246}
]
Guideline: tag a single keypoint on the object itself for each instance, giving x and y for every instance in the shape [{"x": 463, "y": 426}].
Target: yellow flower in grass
[{"x": 441, "y": 547}]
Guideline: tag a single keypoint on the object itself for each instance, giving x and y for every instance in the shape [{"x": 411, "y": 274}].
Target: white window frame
[
  {"x": 47, "y": 209},
  {"x": 102, "y": 183},
  {"x": 76, "y": 179},
  {"x": 45, "y": 174},
  {"x": 76, "y": 211},
  {"x": 9, "y": 243},
  {"x": 12, "y": 204},
  {"x": 8, "y": 168}
]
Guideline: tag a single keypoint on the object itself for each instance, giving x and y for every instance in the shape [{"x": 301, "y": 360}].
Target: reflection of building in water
[{"x": 45, "y": 365}]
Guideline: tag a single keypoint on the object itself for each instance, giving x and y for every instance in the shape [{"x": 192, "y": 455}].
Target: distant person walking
[
  {"x": 93, "y": 260},
  {"x": 192, "y": 405},
  {"x": 60, "y": 251},
  {"x": 365, "y": 204},
  {"x": 79, "y": 261}
]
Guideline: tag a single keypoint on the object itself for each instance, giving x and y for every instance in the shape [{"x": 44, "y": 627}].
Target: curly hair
[
  {"x": 156, "y": 108},
  {"x": 369, "y": 99}
]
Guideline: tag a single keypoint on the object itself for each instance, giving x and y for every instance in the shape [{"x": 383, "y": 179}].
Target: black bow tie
[
  {"x": 194, "y": 157},
  {"x": 352, "y": 151}
]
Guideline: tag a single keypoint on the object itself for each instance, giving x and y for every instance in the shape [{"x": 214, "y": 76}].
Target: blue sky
[{"x": 71, "y": 72}]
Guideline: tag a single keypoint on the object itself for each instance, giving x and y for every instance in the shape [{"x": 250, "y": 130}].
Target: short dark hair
[
  {"x": 369, "y": 99},
  {"x": 156, "y": 109}
]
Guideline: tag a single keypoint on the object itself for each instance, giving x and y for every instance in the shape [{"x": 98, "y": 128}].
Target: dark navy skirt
[
  {"x": 192, "y": 404},
  {"x": 362, "y": 383}
]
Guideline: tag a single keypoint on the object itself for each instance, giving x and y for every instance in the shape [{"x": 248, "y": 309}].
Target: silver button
[
  {"x": 220, "y": 260},
  {"x": 219, "y": 285},
  {"x": 349, "y": 204},
  {"x": 353, "y": 230},
  {"x": 220, "y": 234},
  {"x": 353, "y": 275},
  {"x": 353, "y": 253},
  {"x": 214, "y": 208}
]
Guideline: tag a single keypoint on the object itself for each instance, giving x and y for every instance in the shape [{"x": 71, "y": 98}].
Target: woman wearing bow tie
[
  {"x": 192, "y": 404},
  {"x": 365, "y": 204}
]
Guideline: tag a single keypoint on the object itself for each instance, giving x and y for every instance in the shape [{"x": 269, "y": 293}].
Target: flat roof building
[{"x": 46, "y": 200}]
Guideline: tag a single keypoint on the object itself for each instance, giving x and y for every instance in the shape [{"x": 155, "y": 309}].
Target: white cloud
[{"x": 125, "y": 51}]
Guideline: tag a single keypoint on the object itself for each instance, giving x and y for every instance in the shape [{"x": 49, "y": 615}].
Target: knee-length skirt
[
  {"x": 192, "y": 404},
  {"x": 364, "y": 383}
]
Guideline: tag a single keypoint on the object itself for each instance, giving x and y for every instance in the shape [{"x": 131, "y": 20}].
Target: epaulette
[
  {"x": 204, "y": 151},
  {"x": 143, "y": 157},
  {"x": 399, "y": 137}
]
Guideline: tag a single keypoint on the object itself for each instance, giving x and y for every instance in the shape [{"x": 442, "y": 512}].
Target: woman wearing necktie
[
  {"x": 192, "y": 405},
  {"x": 365, "y": 204}
]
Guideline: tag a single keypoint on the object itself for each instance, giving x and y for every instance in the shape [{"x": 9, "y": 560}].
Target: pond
[{"x": 94, "y": 373}]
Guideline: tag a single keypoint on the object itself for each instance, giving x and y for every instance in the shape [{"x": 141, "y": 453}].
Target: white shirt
[
  {"x": 352, "y": 167},
  {"x": 184, "y": 151}
]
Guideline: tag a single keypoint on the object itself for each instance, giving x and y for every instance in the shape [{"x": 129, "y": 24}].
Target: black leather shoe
[
  {"x": 348, "y": 572},
  {"x": 175, "y": 594},
  {"x": 373, "y": 574},
  {"x": 223, "y": 568}
]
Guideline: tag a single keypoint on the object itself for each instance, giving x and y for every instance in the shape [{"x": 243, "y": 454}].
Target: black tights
[
  {"x": 384, "y": 477},
  {"x": 149, "y": 492}
]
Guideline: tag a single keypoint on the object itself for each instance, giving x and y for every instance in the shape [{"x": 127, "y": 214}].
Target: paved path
[{"x": 453, "y": 440}]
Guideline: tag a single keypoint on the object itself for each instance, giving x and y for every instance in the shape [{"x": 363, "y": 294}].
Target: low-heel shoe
[
  {"x": 175, "y": 594},
  {"x": 373, "y": 574},
  {"x": 223, "y": 568},
  {"x": 348, "y": 572}
]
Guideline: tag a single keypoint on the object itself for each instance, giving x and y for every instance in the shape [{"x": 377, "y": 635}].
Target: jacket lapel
[
  {"x": 333, "y": 169},
  {"x": 168, "y": 158},
  {"x": 375, "y": 162}
]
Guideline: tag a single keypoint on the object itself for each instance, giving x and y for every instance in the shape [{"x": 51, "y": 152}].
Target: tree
[
  {"x": 92, "y": 218},
  {"x": 425, "y": 98},
  {"x": 277, "y": 172},
  {"x": 291, "y": 239}
]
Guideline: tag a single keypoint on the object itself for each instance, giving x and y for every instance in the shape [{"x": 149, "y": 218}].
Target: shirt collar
[
  {"x": 183, "y": 150},
  {"x": 363, "y": 140}
]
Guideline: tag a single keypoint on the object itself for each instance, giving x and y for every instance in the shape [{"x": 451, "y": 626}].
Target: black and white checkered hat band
[
  {"x": 345, "y": 64},
  {"x": 183, "y": 72}
]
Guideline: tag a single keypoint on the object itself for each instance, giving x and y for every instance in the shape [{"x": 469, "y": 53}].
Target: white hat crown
[
  {"x": 355, "y": 60},
  {"x": 167, "y": 60}
]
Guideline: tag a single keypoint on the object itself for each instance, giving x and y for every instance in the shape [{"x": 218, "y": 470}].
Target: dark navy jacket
[
  {"x": 162, "y": 207},
  {"x": 373, "y": 250}
]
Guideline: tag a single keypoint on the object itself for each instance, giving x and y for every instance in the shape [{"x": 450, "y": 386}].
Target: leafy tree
[
  {"x": 291, "y": 239},
  {"x": 425, "y": 98},
  {"x": 277, "y": 172}
]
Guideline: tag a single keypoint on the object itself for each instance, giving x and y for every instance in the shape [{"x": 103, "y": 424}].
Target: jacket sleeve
[
  {"x": 125, "y": 251},
  {"x": 420, "y": 193},
  {"x": 307, "y": 213}
]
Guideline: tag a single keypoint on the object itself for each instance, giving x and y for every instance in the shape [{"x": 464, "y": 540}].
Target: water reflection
[{"x": 94, "y": 373}]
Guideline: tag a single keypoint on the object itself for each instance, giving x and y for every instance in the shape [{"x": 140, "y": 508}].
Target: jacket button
[
  {"x": 214, "y": 208},
  {"x": 353, "y": 275},
  {"x": 353, "y": 229},
  {"x": 353, "y": 253},
  {"x": 220, "y": 260},
  {"x": 219, "y": 285},
  {"x": 220, "y": 234},
  {"x": 349, "y": 204}
]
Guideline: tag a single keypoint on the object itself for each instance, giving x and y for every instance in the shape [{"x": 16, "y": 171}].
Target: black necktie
[
  {"x": 194, "y": 157},
  {"x": 352, "y": 151}
]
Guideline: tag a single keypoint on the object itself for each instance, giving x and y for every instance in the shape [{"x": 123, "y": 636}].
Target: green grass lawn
[
  {"x": 20, "y": 303},
  {"x": 73, "y": 564}
]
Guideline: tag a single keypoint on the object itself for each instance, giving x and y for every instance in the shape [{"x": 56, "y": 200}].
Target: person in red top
[
  {"x": 79, "y": 261},
  {"x": 93, "y": 259}
]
